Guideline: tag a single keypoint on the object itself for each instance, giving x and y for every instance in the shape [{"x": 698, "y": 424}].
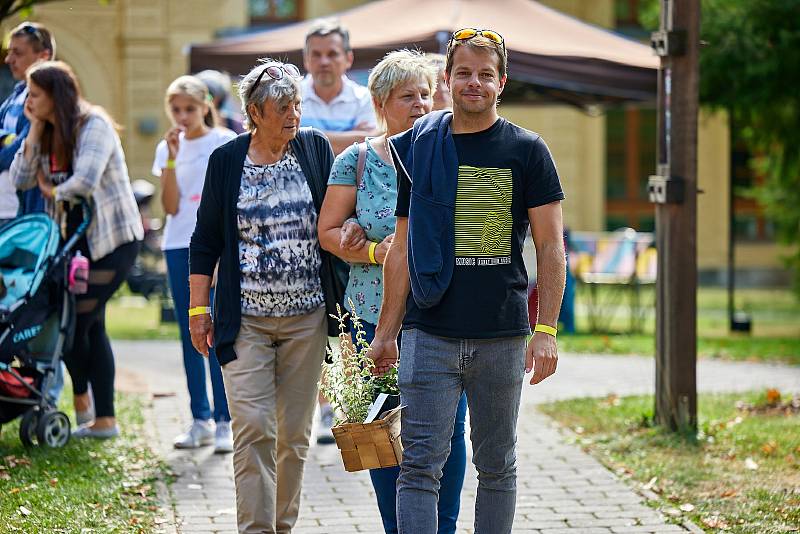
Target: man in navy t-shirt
[{"x": 470, "y": 185}]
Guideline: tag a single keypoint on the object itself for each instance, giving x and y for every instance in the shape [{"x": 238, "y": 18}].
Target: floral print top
[{"x": 375, "y": 202}]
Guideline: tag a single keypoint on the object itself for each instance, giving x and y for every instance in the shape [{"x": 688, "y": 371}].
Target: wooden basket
[{"x": 371, "y": 445}]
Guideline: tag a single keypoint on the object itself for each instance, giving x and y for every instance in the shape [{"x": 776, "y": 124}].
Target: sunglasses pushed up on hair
[
  {"x": 465, "y": 34},
  {"x": 276, "y": 71}
]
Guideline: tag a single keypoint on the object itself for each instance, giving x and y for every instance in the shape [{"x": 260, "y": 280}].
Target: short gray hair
[
  {"x": 276, "y": 91},
  {"x": 326, "y": 27}
]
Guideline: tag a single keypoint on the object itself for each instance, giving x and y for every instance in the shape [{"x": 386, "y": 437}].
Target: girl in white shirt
[{"x": 180, "y": 162}]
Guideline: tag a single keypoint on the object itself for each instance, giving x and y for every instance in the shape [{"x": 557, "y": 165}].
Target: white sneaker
[
  {"x": 199, "y": 434},
  {"x": 324, "y": 432},
  {"x": 223, "y": 440}
]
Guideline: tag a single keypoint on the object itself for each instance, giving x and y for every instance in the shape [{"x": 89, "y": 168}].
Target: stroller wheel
[
  {"x": 53, "y": 429},
  {"x": 27, "y": 427}
]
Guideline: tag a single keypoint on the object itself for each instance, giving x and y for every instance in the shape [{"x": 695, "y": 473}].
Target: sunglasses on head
[
  {"x": 34, "y": 32},
  {"x": 465, "y": 34},
  {"x": 276, "y": 72}
]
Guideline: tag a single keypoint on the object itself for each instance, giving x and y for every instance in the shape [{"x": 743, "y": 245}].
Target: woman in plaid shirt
[{"x": 73, "y": 151}]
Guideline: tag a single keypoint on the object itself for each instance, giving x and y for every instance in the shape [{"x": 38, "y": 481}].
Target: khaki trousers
[{"x": 272, "y": 391}]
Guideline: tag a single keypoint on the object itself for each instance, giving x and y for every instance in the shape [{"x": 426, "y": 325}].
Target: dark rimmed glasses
[
  {"x": 465, "y": 34},
  {"x": 275, "y": 71}
]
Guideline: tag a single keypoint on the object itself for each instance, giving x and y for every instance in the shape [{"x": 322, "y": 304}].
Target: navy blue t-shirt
[{"x": 502, "y": 172}]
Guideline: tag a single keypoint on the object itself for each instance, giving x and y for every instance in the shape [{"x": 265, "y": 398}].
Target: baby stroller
[{"x": 37, "y": 320}]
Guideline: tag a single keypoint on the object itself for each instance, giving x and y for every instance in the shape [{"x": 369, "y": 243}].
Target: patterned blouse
[
  {"x": 375, "y": 201},
  {"x": 279, "y": 253}
]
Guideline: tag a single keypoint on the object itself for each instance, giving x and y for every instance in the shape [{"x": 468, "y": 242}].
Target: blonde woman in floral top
[{"x": 402, "y": 87}]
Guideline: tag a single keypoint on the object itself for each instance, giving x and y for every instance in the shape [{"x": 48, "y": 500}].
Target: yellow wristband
[
  {"x": 170, "y": 164},
  {"x": 372, "y": 247},
  {"x": 199, "y": 310},
  {"x": 545, "y": 329}
]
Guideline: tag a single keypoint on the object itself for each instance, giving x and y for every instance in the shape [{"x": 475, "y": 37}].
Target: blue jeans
[
  {"x": 385, "y": 480},
  {"x": 434, "y": 373},
  {"x": 194, "y": 362}
]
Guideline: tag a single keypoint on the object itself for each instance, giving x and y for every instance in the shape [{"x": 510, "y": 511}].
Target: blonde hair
[
  {"x": 195, "y": 89},
  {"x": 437, "y": 61},
  {"x": 396, "y": 68}
]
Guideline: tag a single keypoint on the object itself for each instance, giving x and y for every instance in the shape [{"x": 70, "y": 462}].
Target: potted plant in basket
[{"x": 367, "y": 429}]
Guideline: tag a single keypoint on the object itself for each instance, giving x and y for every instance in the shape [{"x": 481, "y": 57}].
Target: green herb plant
[{"x": 347, "y": 381}]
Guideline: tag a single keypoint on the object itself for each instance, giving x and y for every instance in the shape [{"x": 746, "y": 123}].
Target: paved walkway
[{"x": 561, "y": 488}]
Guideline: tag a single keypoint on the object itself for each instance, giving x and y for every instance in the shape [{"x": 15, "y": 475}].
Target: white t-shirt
[
  {"x": 352, "y": 106},
  {"x": 190, "y": 171}
]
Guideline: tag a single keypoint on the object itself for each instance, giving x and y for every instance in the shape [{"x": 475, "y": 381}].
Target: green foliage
[
  {"x": 347, "y": 381},
  {"x": 750, "y": 66}
]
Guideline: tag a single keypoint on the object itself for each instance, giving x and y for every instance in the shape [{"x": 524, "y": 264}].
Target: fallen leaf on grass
[
  {"x": 24, "y": 511},
  {"x": 769, "y": 448},
  {"x": 773, "y": 396},
  {"x": 687, "y": 507},
  {"x": 4, "y": 476},
  {"x": 651, "y": 484},
  {"x": 715, "y": 522},
  {"x": 611, "y": 400},
  {"x": 14, "y": 491},
  {"x": 728, "y": 493},
  {"x": 749, "y": 463},
  {"x": 54, "y": 482},
  {"x": 733, "y": 422}
]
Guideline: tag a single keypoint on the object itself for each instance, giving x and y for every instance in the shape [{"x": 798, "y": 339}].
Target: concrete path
[{"x": 561, "y": 488}]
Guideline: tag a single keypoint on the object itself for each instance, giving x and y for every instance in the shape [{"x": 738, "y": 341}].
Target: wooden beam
[{"x": 676, "y": 221}]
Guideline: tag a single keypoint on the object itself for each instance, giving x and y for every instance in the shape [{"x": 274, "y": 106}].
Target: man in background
[
  {"x": 29, "y": 42},
  {"x": 331, "y": 101}
]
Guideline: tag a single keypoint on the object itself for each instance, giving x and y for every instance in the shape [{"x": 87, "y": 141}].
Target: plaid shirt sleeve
[
  {"x": 95, "y": 146},
  {"x": 23, "y": 170}
]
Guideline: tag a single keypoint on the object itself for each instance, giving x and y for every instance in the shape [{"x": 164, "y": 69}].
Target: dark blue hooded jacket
[{"x": 428, "y": 157}]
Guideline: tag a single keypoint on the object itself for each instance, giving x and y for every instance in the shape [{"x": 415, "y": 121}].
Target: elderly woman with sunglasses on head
[{"x": 258, "y": 219}]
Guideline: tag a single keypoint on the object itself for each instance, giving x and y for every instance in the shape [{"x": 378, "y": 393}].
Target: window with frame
[
  {"x": 630, "y": 160},
  {"x": 267, "y": 12},
  {"x": 749, "y": 223}
]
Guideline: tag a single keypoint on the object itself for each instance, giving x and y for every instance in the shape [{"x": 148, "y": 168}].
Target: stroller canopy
[{"x": 26, "y": 244}]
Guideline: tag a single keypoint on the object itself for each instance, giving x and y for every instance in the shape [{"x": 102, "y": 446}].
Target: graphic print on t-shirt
[{"x": 483, "y": 218}]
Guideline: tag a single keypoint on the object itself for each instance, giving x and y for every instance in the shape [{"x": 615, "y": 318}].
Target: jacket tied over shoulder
[{"x": 428, "y": 156}]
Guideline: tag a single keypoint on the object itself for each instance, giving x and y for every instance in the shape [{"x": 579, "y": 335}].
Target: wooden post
[{"x": 674, "y": 190}]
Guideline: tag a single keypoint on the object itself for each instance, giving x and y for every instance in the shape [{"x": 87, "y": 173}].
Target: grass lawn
[
  {"x": 88, "y": 486},
  {"x": 133, "y": 317},
  {"x": 775, "y": 336},
  {"x": 740, "y": 473}
]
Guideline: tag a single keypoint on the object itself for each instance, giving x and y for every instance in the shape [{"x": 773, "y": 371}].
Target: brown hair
[
  {"x": 195, "y": 89},
  {"x": 479, "y": 42},
  {"x": 57, "y": 79},
  {"x": 38, "y": 36}
]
